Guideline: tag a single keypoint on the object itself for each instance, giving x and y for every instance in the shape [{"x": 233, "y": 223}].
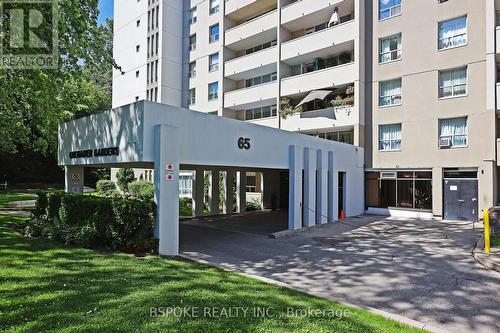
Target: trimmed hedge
[
  {"x": 141, "y": 190},
  {"x": 94, "y": 222}
]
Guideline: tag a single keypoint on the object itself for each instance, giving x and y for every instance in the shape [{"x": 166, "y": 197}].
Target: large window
[
  {"x": 390, "y": 49},
  {"x": 214, "y": 6},
  {"x": 454, "y": 129},
  {"x": 213, "y": 32},
  {"x": 340, "y": 136},
  {"x": 192, "y": 42},
  {"x": 260, "y": 47},
  {"x": 213, "y": 91},
  {"x": 213, "y": 62},
  {"x": 192, "y": 70},
  {"x": 453, "y": 82},
  {"x": 263, "y": 112},
  {"x": 390, "y": 137},
  {"x": 260, "y": 80},
  {"x": 389, "y": 8},
  {"x": 390, "y": 93},
  {"x": 406, "y": 189},
  {"x": 452, "y": 33},
  {"x": 185, "y": 185}
]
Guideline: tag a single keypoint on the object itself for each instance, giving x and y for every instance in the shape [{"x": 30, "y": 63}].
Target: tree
[
  {"x": 33, "y": 102},
  {"x": 124, "y": 177}
]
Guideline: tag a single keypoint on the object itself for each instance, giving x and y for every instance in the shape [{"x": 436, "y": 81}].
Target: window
[
  {"x": 148, "y": 47},
  {"x": 213, "y": 91},
  {"x": 137, "y": 48},
  {"x": 316, "y": 28},
  {"x": 191, "y": 96},
  {"x": 156, "y": 70},
  {"x": 156, "y": 94},
  {"x": 152, "y": 19},
  {"x": 263, "y": 112},
  {"x": 260, "y": 47},
  {"x": 390, "y": 49},
  {"x": 192, "y": 42},
  {"x": 388, "y": 8},
  {"x": 213, "y": 62},
  {"x": 214, "y": 33},
  {"x": 454, "y": 129},
  {"x": 192, "y": 70},
  {"x": 341, "y": 136},
  {"x": 260, "y": 80},
  {"x": 152, "y": 44},
  {"x": 136, "y": 73},
  {"x": 214, "y": 6},
  {"x": 390, "y": 137},
  {"x": 147, "y": 74},
  {"x": 390, "y": 93},
  {"x": 185, "y": 185},
  {"x": 152, "y": 67},
  {"x": 452, "y": 33},
  {"x": 149, "y": 20},
  {"x": 453, "y": 83},
  {"x": 193, "y": 15},
  {"x": 157, "y": 42},
  {"x": 157, "y": 13}
]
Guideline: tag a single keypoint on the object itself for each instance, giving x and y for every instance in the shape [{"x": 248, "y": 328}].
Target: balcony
[
  {"x": 252, "y": 65},
  {"x": 252, "y": 32},
  {"x": 319, "y": 40},
  {"x": 301, "y": 9},
  {"x": 252, "y": 97},
  {"x": 320, "y": 79},
  {"x": 338, "y": 117},
  {"x": 240, "y": 10}
]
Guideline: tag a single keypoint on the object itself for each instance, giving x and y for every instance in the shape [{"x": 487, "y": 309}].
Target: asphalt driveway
[{"x": 421, "y": 270}]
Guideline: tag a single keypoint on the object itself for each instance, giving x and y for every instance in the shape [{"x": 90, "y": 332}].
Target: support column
[
  {"x": 213, "y": 193},
  {"x": 241, "y": 192},
  {"x": 198, "y": 188},
  {"x": 437, "y": 191},
  {"x": 309, "y": 187},
  {"x": 295, "y": 189},
  {"x": 333, "y": 193},
  {"x": 228, "y": 188},
  {"x": 166, "y": 148},
  {"x": 322, "y": 187},
  {"x": 73, "y": 178}
]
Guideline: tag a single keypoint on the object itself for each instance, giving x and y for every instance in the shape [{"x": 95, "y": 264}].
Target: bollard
[{"x": 486, "y": 231}]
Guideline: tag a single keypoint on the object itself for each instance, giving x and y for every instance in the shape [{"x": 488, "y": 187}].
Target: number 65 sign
[{"x": 244, "y": 143}]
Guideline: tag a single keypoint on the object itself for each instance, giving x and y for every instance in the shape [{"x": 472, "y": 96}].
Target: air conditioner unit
[
  {"x": 387, "y": 175},
  {"x": 444, "y": 142}
]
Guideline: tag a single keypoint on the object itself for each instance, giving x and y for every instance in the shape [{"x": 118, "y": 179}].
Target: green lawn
[
  {"x": 495, "y": 240},
  {"x": 45, "y": 286}
]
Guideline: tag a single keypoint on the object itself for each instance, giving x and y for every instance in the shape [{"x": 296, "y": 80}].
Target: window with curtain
[
  {"x": 192, "y": 70},
  {"x": 389, "y": 8},
  {"x": 213, "y": 62},
  {"x": 214, "y": 33},
  {"x": 193, "y": 15},
  {"x": 453, "y": 82},
  {"x": 213, "y": 91},
  {"x": 390, "y": 93},
  {"x": 452, "y": 33},
  {"x": 191, "y": 96},
  {"x": 455, "y": 129},
  {"x": 390, "y": 137},
  {"x": 390, "y": 49},
  {"x": 192, "y": 42}
]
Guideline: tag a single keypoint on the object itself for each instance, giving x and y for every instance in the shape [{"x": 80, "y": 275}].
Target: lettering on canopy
[{"x": 110, "y": 151}]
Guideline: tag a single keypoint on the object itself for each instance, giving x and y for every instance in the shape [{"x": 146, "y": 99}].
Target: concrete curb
[
  {"x": 385, "y": 314},
  {"x": 487, "y": 260}
]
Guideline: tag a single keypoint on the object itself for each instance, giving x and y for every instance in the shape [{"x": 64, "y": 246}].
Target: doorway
[
  {"x": 460, "y": 199},
  {"x": 341, "y": 194}
]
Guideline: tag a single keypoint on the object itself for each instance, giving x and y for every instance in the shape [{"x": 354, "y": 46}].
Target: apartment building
[
  {"x": 431, "y": 145},
  {"x": 414, "y": 82}
]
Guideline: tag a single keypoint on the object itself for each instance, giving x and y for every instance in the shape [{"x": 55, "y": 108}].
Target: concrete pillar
[
  {"x": 198, "y": 195},
  {"x": 309, "y": 187},
  {"x": 258, "y": 182},
  {"x": 213, "y": 193},
  {"x": 73, "y": 180},
  {"x": 228, "y": 188},
  {"x": 241, "y": 192},
  {"x": 486, "y": 186},
  {"x": 333, "y": 193},
  {"x": 437, "y": 191},
  {"x": 166, "y": 148},
  {"x": 295, "y": 189},
  {"x": 322, "y": 187}
]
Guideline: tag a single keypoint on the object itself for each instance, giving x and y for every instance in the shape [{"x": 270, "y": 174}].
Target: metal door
[{"x": 460, "y": 199}]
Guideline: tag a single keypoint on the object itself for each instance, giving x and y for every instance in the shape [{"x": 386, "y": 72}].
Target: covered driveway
[{"x": 421, "y": 270}]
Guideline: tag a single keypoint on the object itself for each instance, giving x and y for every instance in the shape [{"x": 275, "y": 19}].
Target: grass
[
  {"x": 14, "y": 195},
  {"x": 495, "y": 240},
  {"x": 48, "y": 287}
]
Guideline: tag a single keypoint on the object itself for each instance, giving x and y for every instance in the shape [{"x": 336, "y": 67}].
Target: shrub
[
  {"x": 41, "y": 204},
  {"x": 133, "y": 225},
  {"x": 253, "y": 204},
  {"x": 142, "y": 190},
  {"x": 124, "y": 176},
  {"x": 106, "y": 188}
]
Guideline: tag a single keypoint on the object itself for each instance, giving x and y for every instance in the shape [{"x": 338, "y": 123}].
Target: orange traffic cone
[{"x": 342, "y": 215}]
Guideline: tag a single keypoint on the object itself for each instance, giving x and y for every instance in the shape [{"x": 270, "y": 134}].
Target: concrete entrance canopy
[{"x": 167, "y": 138}]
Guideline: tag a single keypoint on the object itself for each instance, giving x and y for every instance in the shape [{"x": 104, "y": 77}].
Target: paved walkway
[{"x": 421, "y": 270}]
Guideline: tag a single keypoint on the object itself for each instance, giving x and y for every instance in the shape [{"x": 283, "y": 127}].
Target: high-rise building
[{"x": 413, "y": 82}]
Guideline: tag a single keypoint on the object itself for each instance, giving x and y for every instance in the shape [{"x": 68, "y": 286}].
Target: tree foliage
[{"x": 33, "y": 102}]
